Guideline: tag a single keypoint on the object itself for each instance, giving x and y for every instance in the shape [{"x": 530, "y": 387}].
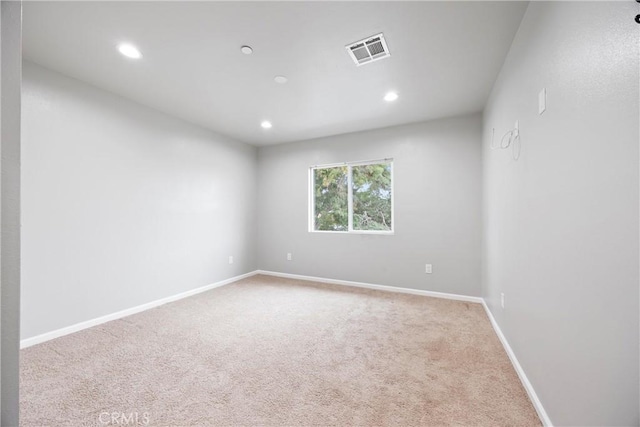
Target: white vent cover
[{"x": 368, "y": 50}]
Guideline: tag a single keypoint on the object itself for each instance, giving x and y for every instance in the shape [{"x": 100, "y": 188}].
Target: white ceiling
[{"x": 445, "y": 57}]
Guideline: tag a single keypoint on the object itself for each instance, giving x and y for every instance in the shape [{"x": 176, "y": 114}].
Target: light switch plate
[{"x": 542, "y": 101}]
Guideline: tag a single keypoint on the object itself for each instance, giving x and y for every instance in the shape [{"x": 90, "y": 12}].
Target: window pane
[
  {"x": 331, "y": 199},
  {"x": 372, "y": 197}
]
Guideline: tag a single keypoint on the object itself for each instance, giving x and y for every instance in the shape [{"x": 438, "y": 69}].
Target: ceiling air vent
[{"x": 368, "y": 50}]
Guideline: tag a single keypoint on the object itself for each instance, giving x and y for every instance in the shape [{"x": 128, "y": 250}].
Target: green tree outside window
[{"x": 365, "y": 188}]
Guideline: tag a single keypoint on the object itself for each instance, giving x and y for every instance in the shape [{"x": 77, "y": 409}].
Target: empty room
[{"x": 319, "y": 213}]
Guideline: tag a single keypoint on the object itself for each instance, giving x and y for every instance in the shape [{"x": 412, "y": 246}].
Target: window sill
[{"x": 377, "y": 233}]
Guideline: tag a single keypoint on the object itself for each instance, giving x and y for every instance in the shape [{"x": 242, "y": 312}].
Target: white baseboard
[
  {"x": 133, "y": 310},
  {"x": 544, "y": 418},
  {"x": 372, "y": 286},
  {"x": 28, "y": 342}
]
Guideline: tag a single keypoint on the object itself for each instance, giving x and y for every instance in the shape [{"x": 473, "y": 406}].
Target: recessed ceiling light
[
  {"x": 266, "y": 124},
  {"x": 246, "y": 50},
  {"x": 280, "y": 79},
  {"x": 390, "y": 96},
  {"x": 129, "y": 50}
]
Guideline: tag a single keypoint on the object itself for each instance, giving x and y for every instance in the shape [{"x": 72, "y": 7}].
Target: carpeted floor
[{"x": 271, "y": 351}]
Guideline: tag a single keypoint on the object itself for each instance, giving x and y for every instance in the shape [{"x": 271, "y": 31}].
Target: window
[{"x": 352, "y": 197}]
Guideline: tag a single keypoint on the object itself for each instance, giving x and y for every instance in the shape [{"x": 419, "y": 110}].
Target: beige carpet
[{"x": 270, "y": 351}]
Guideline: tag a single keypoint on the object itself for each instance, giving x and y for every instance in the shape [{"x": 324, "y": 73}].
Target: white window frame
[{"x": 349, "y": 166}]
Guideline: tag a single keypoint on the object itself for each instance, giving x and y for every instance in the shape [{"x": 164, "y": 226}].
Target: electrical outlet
[
  {"x": 230, "y": 259},
  {"x": 502, "y": 299},
  {"x": 428, "y": 269},
  {"x": 289, "y": 256}
]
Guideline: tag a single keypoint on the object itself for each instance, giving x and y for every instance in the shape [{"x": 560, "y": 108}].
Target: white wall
[
  {"x": 11, "y": 61},
  {"x": 561, "y": 224},
  {"x": 437, "y": 172},
  {"x": 122, "y": 204}
]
